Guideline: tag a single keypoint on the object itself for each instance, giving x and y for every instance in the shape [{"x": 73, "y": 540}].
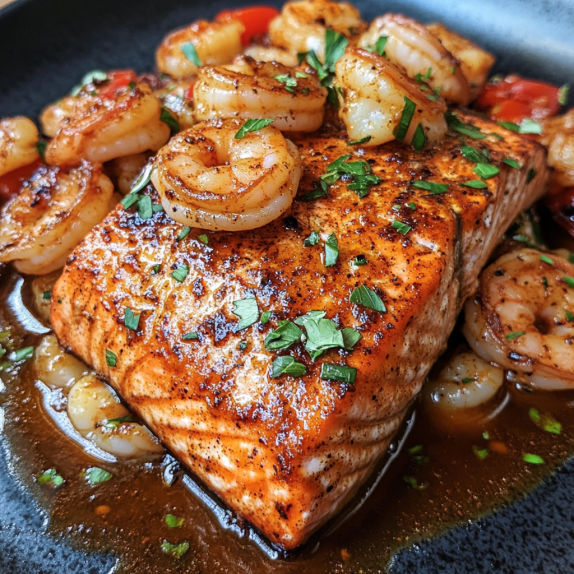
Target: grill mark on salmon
[{"x": 287, "y": 454}]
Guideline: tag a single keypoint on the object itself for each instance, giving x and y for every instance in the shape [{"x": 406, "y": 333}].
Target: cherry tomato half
[
  {"x": 117, "y": 79},
  {"x": 256, "y": 20}
]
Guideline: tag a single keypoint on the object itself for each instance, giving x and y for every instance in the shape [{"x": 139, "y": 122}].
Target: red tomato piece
[
  {"x": 117, "y": 79},
  {"x": 11, "y": 183},
  {"x": 511, "y": 111},
  {"x": 256, "y": 20},
  {"x": 541, "y": 96},
  {"x": 189, "y": 93}
]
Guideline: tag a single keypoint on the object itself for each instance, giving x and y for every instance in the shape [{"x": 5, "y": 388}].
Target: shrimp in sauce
[{"x": 18, "y": 138}]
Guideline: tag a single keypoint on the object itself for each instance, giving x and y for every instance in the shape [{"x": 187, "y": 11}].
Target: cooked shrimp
[
  {"x": 53, "y": 212},
  {"x": 521, "y": 317},
  {"x": 123, "y": 171},
  {"x": 271, "y": 54},
  {"x": 177, "y": 98},
  {"x": 214, "y": 43},
  {"x": 251, "y": 90},
  {"x": 411, "y": 46},
  {"x": 18, "y": 138},
  {"x": 558, "y": 137},
  {"x": 474, "y": 62},
  {"x": 209, "y": 179},
  {"x": 97, "y": 414},
  {"x": 374, "y": 100},
  {"x": 102, "y": 128},
  {"x": 56, "y": 368},
  {"x": 55, "y": 116},
  {"x": 42, "y": 293},
  {"x": 301, "y": 25},
  {"x": 462, "y": 386}
]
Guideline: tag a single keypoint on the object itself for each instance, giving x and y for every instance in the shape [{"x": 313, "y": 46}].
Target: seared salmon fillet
[{"x": 287, "y": 453}]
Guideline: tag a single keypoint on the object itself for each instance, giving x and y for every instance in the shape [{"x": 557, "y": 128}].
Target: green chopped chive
[
  {"x": 111, "y": 358},
  {"x": 313, "y": 239},
  {"x": 532, "y": 458},
  {"x": 547, "y": 259},
  {"x": 145, "y": 209},
  {"x": 360, "y": 260},
  {"x": 50, "y": 477},
  {"x": 142, "y": 179},
  {"x": 23, "y": 354},
  {"x": 486, "y": 435},
  {"x": 545, "y": 422},
  {"x": 434, "y": 188},
  {"x": 247, "y": 311},
  {"x": 180, "y": 273},
  {"x": 203, "y": 238},
  {"x": 157, "y": 207},
  {"x": 169, "y": 119},
  {"x": 529, "y": 126},
  {"x": 97, "y": 475},
  {"x": 472, "y": 154},
  {"x": 338, "y": 373},
  {"x": 361, "y": 141},
  {"x": 335, "y": 45},
  {"x": 569, "y": 316},
  {"x": 481, "y": 453},
  {"x": 130, "y": 200},
  {"x": 366, "y": 297},
  {"x": 175, "y": 550},
  {"x": 563, "y": 94},
  {"x": 509, "y": 126},
  {"x": 183, "y": 233},
  {"x": 465, "y": 129},
  {"x": 117, "y": 422},
  {"x": 190, "y": 53},
  {"x": 569, "y": 281},
  {"x": 301, "y": 75},
  {"x": 287, "y": 366},
  {"x": 191, "y": 336},
  {"x": 401, "y": 227},
  {"x": 331, "y": 250},
  {"x": 252, "y": 125},
  {"x": 405, "y": 121},
  {"x": 511, "y": 162},
  {"x": 474, "y": 183},
  {"x": 265, "y": 316},
  {"x": 289, "y": 82},
  {"x": 283, "y": 337},
  {"x": 420, "y": 79},
  {"x": 414, "y": 483},
  {"x": 131, "y": 321},
  {"x": 530, "y": 175},
  {"x": 41, "y": 146},
  {"x": 47, "y": 295},
  {"x": 173, "y": 521},
  {"x": 380, "y": 45},
  {"x": 486, "y": 171},
  {"x": 468, "y": 380},
  {"x": 419, "y": 138},
  {"x": 545, "y": 282},
  {"x": 412, "y": 205},
  {"x": 514, "y": 335},
  {"x": 397, "y": 207}
]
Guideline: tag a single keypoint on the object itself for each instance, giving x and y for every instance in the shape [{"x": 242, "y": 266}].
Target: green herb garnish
[
  {"x": 203, "y": 238},
  {"x": 465, "y": 129},
  {"x": 361, "y": 141},
  {"x": 175, "y": 550},
  {"x": 530, "y": 175},
  {"x": 569, "y": 281},
  {"x": 183, "y": 233},
  {"x": 142, "y": 179},
  {"x": 247, "y": 310},
  {"x": 265, "y": 316},
  {"x": 145, "y": 209},
  {"x": 23, "y": 354},
  {"x": 547, "y": 259},
  {"x": 405, "y": 121},
  {"x": 313, "y": 239},
  {"x": 173, "y": 521},
  {"x": 511, "y": 162},
  {"x": 481, "y": 453},
  {"x": 252, "y": 125},
  {"x": 532, "y": 458},
  {"x": 434, "y": 188},
  {"x": 380, "y": 45},
  {"x": 473, "y": 154},
  {"x": 287, "y": 366},
  {"x": 529, "y": 126},
  {"x": 131, "y": 321},
  {"x": 414, "y": 483},
  {"x": 130, "y": 200},
  {"x": 50, "y": 477},
  {"x": 41, "y": 146},
  {"x": 47, "y": 295},
  {"x": 283, "y": 337},
  {"x": 180, "y": 273},
  {"x": 169, "y": 119},
  {"x": 419, "y": 138},
  {"x": 289, "y": 82},
  {"x": 563, "y": 94},
  {"x": 474, "y": 183},
  {"x": 545, "y": 422},
  {"x": 190, "y": 336},
  {"x": 117, "y": 422},
  {"x": 509, "y": 126},
  {"x": 335, "y": 45},
  {"x": 366, "y": 297},
  {"x": 486, "y": 171},
  {"x": 401, "y": 227},
  {"x": 331, "y": 250},
  {"x": 190, "y": 53},
  {"x": 96, "y": 475},
  {"x": 338, "y": 373},
  {"x": 111, "y": 358},
  {"x": 514, "y": 335}
]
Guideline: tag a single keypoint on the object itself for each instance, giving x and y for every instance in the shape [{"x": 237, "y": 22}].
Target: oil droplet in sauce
[{"x": 433, "y": 479}]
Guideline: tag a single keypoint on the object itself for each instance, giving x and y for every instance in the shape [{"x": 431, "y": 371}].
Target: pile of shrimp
[{"x": 209, "y": 133}]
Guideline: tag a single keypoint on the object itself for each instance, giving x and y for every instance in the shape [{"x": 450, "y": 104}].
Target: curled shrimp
[
  {"x": 461, "y": 392},
  {"x": 97, "y": 414},
  {"x": 521, "y": 318},
  {"x": 251, "y": 90},
  {"x": 475, "y": 63},
  {"x": 56, "y": 368},
  {"x": 207, "y": 178},
  {"x": 558, "y": 137},
  {"x": 53, "y": 212},
  {"x": 214, "y": 43},
  {"x": 374, "y": 99},
  {"x": 411, "y": 46},
  {"x": 301, "y": 25},
  {"x": 271, "y": 54},
  {"x": 101, "y": 128},
  {"x": 18, "y": 138}
]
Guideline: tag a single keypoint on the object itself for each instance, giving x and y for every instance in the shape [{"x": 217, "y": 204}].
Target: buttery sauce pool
[{"x": 433, "y": 479}]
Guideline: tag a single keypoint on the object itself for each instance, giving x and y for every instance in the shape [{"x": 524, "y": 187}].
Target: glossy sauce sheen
[{"x": 288, "y": 453}]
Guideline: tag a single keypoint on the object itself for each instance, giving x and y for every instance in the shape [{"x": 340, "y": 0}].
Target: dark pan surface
[{"x": 45, "y": 48}]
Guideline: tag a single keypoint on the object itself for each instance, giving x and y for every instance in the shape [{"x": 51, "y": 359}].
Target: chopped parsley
[
  {"x": 145, "y": 208},
  {"x": 321, "y": 190},
  {"x": 313, "y": 239},
  {"x": 468, "y": 380},
  {"x": 190, "y": 53},
  {"x": 474, "y": 183},
  {"x": 50, "y": 477},
  {"x": 183, "y": 233},
  {"x": 414, "y": 483},
  {"x": 96, "y": 475},
  {"x": 514, "y": 335},
  {"x": 131, "y": 321},
  {"x": 366, "y": 297},
  {"x": 41, "y": 146},
  {"x": 434, "y": 188},
  {"x": 486, "y": 171},
  {"x": 203, "y": 238},
  {"x": 405, "y": 121},
  {"x": 486, "y": 435},
  {"x": 529, "y": 126},
  {"x": 380, "y": 45},
  {"x": 265, "y": 316},
  {"x": 175, "y": 550},
  {"x": 569, "y": 316},
  {"x": 335, "y": 45},
  {"x": 331, "y": 250},
  {"x": 530, "y": 175},
  {"x": 532, "y": 458},
  {"x": 545, "y": 282},
  {"x": 481, "y": 453},
  {"x": 289, "y": 82},
  {"x": 180, "y": 273},
  {"x": 252, "y": 125},
  {"x": 360, "y": 260},
  {"x": 401, "y": 227},
  {"x": 248, "y": 312},
  {"x": 190, "y": 336},
  {"x": 546, "y": 259},
  {"x": 358, "y": 175},
  {"x": 169, "y": 119},
  {"x": 420, "y": 79},
  {"x": 117, "y": 422},
  {"x": 569, "y": 281},
  {"x": 111, "y": 358},
  {"x": 545, "y": 422},
  {"x": 412, "y": 205},
  {"x": 287, "y": 366},
  {"x": 130, "y": 199},
  {"x": 511, "y": 162},
  {"x": 338, "y": 373},
  {"x": 47, "y": 295},
  {"x": 173, "y": 521},
  {"x": 283, "y": 337},
  {"x": 361, "y": 141}
]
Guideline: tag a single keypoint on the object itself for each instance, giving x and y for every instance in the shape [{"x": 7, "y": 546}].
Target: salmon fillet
[{"x": 287, "y": 453}]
